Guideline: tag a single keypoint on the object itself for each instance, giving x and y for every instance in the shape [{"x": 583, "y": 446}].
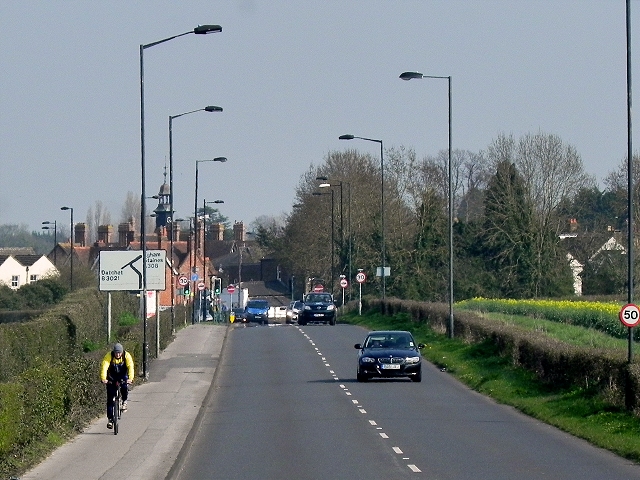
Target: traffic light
[
  {"x": 217, "y": 289},
  {"x": 186, "y": 290}
]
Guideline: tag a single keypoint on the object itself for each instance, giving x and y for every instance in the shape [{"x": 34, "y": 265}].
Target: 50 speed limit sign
[{"x": 630, "y": 315}]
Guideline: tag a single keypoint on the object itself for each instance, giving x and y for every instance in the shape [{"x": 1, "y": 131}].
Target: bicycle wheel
[{"x": 116, "y": 410}]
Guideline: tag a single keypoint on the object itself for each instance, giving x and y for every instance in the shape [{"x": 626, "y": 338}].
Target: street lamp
[
  {"x": 333, "y": 247},
  {"x": 55, "y": 239},
  {"x": 195, "y": 223},
  {"x": 171, "y": 212},
  {"x": 383, "y": 256},
  {"x": 71, "y": 210},
  {"x": 199, "y": 30},
  {"x": 417, "y": 75},
  {"x": 339, "y": 184}
]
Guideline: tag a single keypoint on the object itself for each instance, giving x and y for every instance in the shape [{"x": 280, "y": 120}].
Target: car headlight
[
  {"x": 411, "y": 360},
  {"x": 307, "y": 307},
  {"x": 368, "y": 360},
  {"x": 331, "y": 307}
]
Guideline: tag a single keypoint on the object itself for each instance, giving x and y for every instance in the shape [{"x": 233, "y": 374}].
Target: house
[
  {"x": 593, "y": 251},
  {"x": 20, "y": 269}
]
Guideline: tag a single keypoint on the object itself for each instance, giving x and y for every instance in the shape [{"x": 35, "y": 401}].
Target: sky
[{"x": 291, "y": 77}]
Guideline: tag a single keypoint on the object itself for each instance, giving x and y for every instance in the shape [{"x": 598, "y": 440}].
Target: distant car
[
  {"x": 388, "y": 354},
  {"x": 293, "y": 310},
  {"x": 239, "y": 313},
  {"x": 318, "y": 307},
  {"x": 257, "y": 310}
]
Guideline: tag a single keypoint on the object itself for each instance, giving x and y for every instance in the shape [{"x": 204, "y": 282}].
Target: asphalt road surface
[{"x": 285, "y": 405}]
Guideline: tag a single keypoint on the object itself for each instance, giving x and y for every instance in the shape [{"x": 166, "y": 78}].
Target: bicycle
[{"x": 117, "y": 406}]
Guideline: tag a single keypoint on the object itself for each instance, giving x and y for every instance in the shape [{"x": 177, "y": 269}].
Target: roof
[
  {"x": 24, "y": 260},
  {"x": 17, "y": 251}
]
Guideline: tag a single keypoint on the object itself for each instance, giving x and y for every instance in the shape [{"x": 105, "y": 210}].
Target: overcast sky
[{"x": 291, "y": 77}]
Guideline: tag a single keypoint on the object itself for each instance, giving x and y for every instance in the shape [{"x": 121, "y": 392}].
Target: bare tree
[
  {"x": 96, "y": 217},
  {"x": 552, "y": 171}
]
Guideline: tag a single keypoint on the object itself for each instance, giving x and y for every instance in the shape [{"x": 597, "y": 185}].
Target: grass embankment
[{"x": 579, "y": 411}]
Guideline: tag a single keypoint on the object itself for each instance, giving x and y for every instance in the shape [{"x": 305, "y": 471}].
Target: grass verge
[{"x": 581, "y": 412}]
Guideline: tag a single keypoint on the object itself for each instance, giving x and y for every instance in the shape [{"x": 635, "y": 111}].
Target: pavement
[{"x": 160, "y": 415}]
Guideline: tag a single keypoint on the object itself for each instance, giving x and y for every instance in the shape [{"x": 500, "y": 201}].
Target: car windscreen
[
  {"x": 260, "y": 304},
  {"x": 400, "y": 341},
  {"x": 318, "y": 298}
]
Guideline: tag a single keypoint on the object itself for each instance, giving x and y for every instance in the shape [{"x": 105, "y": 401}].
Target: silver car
[{"x": 292, "y": 311}]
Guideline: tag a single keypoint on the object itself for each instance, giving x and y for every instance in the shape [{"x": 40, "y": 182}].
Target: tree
[{"x": 509, "y": 233}]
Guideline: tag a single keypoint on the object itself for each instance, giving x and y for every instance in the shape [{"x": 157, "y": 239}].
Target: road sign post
[
  {"x": 344, "y": 284},
  {"x": 361, "y": 277}
]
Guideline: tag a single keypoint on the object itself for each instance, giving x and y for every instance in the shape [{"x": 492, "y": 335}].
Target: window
[
  {"x": 15, "y": 281},
  {"x": 33, "y": 278}
]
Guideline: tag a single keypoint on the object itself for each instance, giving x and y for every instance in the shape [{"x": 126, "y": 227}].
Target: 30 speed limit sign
[
  {"x": 630, "y": 315},
  {"x": 360, "y": 277}
]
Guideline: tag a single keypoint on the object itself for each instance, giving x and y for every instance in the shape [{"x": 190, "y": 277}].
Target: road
[{"x": 285, "y": 404}]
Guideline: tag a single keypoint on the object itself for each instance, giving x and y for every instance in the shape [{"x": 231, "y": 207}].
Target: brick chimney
[
  {"x": 238, "y": 232},
  {"x": 105, "y": 232},
  {"x": 80, "y": 237},
  {"x": 175, "y": 231},
  {"x": 125, "y": 234},
  {"x": 217, "y": 231}
]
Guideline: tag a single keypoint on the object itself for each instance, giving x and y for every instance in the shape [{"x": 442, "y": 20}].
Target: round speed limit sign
[
  {"x": 360, "y": 277},
  {"x": 630, "y": 315}
]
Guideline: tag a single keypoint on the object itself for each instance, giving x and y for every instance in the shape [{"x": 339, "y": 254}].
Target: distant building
[{"x": 19, "y": 269}]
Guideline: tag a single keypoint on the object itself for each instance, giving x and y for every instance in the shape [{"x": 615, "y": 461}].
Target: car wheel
[
  {"x": 361, "y": 377},
  {"x": 302, "y": 323},
  {"x": 332, "y": 321},
  {"x": 417, "y": 377}
]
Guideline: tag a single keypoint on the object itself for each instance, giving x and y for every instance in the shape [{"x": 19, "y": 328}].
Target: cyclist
[{"x": 117, "y": 365}]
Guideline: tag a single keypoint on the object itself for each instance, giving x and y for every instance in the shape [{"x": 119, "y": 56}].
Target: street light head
[
  {"x": 217, "y": 201},
  {"x": 220, "y": 159},
  {"x": 212, "y": 108},
  {"x": 410, "y": 75},
  {"x": 317, "y": 193},
  {"x": 47, "y": 223},
  {"x": 346, "y": 137},
  {"x": 204, "y": 29},
  {"x": 324, "y": 185},
  {"x": 322, "y": 178},
  {"x": 65, "y": 208}
]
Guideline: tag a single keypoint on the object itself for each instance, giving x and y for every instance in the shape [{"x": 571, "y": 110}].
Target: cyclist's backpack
[{"x": 119, "y": 369}]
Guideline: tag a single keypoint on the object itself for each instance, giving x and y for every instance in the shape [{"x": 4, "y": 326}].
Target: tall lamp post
[
  {"x": 417, "y": 75},
  {"x": 333, "y": 246},
  {"x": 199, "y": 30},
  {"x": 195, "y": 226},
  {"x": 383, "y": 256},
  {"x": 212, "y": 108},
  {"x": 71, "y": 235},
  {"x": 47, "y": 226},
  {"x": 339, "y": 184}
]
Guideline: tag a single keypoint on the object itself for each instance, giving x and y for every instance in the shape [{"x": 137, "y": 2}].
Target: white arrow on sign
[{"x": 630, "y": 315}]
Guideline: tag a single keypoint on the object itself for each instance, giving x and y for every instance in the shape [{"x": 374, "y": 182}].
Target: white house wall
[
  {"x": 43, "y": 267},
  {"x": 11, "y": 267}
]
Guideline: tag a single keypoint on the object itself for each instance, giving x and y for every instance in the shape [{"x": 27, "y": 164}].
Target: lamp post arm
[{"x": 153, "y": 44}]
